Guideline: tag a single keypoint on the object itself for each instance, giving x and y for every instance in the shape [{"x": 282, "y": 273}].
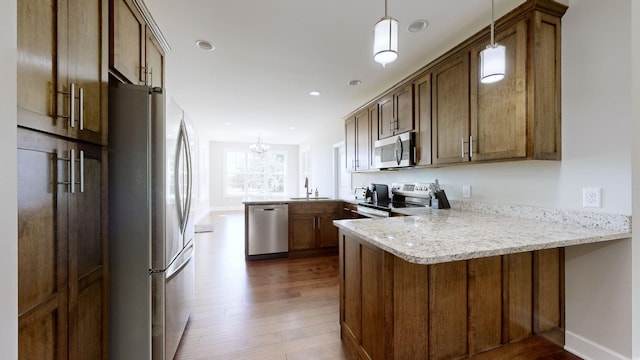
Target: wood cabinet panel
[
  {"x": 154, "y": 75},
  {"x": 363, "y": 144},
  {"x": 36, "y": 65},
  {"x": 404, "y": 109},
  {"x": 485, "y": 304},
  {"x": 395, "y": 112},
  {"x": 372, "y": 302},
  {"x": 393, "y": 309},
  {"x": 411, "y": 312},
  {"x": 351, "y": 314},
  {"x": 545, "y": 113},
  {"x": 386, "y": 117},
  {"x": 422, "y": 105},
  {"x": 302, "y": 233},
  {"x": 127, "y": 47},
  {"x": 499, "y": 110},
  {"x": 547, "y": 290},
  {"x": 450, "y": 110},
  {"x": 60, "y": 46},
  {"x": 85, "y": 68},
  {"x": 448, "y": 310},
  {"x": 518, "y": 297},
  {"x": 350, "y": 143},
  {"x": 328, "y": 233},
  {"x": 62, "y": 247}
]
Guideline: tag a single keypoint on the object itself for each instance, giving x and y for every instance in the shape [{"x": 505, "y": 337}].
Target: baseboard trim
[{"x": 589, "y": 350}]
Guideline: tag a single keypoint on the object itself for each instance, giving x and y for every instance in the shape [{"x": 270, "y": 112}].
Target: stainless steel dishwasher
[{"x": 268, "y": 231}]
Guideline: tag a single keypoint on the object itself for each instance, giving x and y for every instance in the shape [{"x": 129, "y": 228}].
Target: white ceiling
[{"x": 271, "y": 53}]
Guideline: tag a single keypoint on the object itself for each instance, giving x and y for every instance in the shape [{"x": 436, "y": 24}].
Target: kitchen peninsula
[{"x": 449, "y": 283}]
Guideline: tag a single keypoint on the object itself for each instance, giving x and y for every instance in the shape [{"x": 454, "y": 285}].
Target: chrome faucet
[{"x": 306, "y": 186}]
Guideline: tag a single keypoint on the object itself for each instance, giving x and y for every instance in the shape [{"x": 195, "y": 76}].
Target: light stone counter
[{"x": 436, "y": 236}]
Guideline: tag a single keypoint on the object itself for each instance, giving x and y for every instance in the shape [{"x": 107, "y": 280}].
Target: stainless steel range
[{"x": 403, "y": 195}]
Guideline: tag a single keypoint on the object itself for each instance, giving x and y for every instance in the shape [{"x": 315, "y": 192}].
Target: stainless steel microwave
[{"x": 395, "y": 151}]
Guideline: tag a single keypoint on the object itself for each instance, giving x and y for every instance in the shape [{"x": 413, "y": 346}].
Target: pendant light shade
[
  {"x": 385, "y": 39},
  {"x": 492, "y": 59},
  {"x": 492, "y": 64}
]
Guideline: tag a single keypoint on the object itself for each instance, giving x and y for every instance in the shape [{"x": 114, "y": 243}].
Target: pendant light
[
  {"x": 385, "y": 39},
  {"x": 259, "y": 147},
  {"x": 492, "y": 59}
]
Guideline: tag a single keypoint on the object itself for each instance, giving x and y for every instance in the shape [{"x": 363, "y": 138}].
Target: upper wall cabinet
[
  {"x": 499, "y": 110},
  {"x": 136, "y": 55},
  {"x": 460, "y": 120},
  {"x": 422, "y": 108},
  {"x": 62, "y": 82},
  {"x": 450, "y": 110},
  {"x": 395, "y": 112},
  {"x": 361, "y": 131}
]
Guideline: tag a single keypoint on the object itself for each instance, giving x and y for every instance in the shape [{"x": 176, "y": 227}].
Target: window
[{"x": 248, "y": 173}]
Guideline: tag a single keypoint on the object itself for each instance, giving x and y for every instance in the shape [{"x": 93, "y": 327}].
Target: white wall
[
  {"x": 635, "y": 112},
  {"x": 8, "y": 184},
  {"x": 596, "y": 142},
  {"x": 322, "y": 159},
  {"x": 216, "y": 152}
]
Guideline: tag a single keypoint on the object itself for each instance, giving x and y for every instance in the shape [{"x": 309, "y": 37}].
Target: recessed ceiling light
[
  {"x": 418, "y": 26},
  {"x": 355, "y": 82},
  {"x": 292, "y": 128},
  {"x": 227, "y": 124},
  {"x": 205, "y": 45},
  {"x": 314, "y": 93}
]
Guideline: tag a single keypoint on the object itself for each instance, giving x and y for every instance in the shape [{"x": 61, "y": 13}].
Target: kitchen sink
[{"x": 310, "y": 198}]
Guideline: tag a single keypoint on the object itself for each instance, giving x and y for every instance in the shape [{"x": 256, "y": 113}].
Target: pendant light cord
[
  {"x": 493, "y": 43},
  {"x": 385, "y": 8}
]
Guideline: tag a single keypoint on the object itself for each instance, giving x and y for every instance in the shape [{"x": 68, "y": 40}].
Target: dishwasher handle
[{"x": 268, "y": 209}]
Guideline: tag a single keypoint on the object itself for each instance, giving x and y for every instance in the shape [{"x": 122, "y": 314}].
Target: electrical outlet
[
  {"x": 466, "y": 191},
  {"x": 591, "y": 197}
]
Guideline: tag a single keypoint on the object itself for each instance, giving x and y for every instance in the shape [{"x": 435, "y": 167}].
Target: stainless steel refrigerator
[{"x": 151, "y": 226}]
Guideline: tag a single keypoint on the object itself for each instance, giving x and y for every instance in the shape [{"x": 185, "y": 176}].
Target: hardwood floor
[{"x": 284, "y": 309}]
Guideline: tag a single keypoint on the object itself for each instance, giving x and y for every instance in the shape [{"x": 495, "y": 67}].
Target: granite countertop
[{"x": 436, "y": 236}]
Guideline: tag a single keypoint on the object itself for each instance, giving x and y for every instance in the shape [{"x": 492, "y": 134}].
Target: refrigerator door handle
[
  {"x": 181, "y": 201},
  {"x": 189, "y": 160},
  {"x": 173, "y": 270}
]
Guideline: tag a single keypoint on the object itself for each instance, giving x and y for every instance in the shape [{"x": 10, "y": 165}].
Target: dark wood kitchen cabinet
[
  {"x": 395, "y": 112},
  {"x": 136, "y": 55},
  {"x": 422, "y": 108},
  {"x": 450, "y": 110},
  {"x": 62, "y": 248},
  {"x": 311, "y": 225},
  {"x": 62, "y": 82},
  {"x": 360, "y": 135},
  {"x": 498, "y": 118},
  {"x": 394, "y": 309}
]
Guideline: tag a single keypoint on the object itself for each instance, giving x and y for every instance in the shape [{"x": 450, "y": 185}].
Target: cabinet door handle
[
  {"x": 470, "y": 146},
  {"x": 81, "y": 171},
  {"x": 80, "y": 107},
  {"x": 462, "y": 147},
  {"x": 72, "y": 108},
  {"x": 72, "y": 171}
]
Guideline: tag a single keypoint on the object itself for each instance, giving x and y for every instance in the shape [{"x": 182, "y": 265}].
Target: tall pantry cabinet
[{"x": 62, "y": 171}]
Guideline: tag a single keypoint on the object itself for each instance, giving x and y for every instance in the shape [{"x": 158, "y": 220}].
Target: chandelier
[{"x": 259, "y": 147}]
